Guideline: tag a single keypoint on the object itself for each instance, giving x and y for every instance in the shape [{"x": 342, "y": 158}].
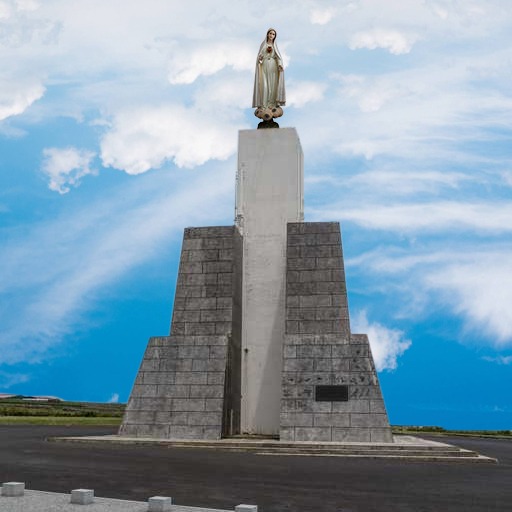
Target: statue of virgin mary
[{"x": 269, "y": 91}]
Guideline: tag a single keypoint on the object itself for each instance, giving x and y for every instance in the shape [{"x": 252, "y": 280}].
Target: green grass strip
[{"x": 60, "y": 420}]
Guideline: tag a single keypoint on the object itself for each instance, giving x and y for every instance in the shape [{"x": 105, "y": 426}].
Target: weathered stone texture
[
  {"x": 319, "y": 348},
  {"x": 179, "y": 390}
]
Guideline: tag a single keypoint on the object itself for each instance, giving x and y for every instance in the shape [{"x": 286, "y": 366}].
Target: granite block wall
[
  {"x": 185, "y": 387},
  {"x": 320, "y": 355}
]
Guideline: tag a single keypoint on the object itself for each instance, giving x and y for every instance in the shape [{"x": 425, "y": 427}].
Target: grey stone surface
[
  {"x": 82, "y": 496},
  {"x": 40, "y": 501},
  {"x": 246, "y": 508},
  {"x": 13, "y": 489},
  {"x": 319, "y": 348},
  {"x": 180, "y": 387}
]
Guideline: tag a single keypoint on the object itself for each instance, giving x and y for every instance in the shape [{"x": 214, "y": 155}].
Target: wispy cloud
[
  {"x": 63, "y": 266},
  {"x": 387, "y": 344},
  {"x": 66, "y": 167},
  {"x": 504, "y": 360}
]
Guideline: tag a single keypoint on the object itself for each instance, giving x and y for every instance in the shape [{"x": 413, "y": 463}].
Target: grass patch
[
  {"x": 440, "y": 431},
  {"x": 60, "y": 420},
  {"x": 19, "y": 411}
]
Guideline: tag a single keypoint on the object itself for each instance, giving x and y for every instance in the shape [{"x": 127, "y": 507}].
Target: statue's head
[{"x": 271, "y": 35}]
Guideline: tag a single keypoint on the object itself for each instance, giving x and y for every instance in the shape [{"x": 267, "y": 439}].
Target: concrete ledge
[
  {"x": 40, "y": 501},
  {"x": 404, "y": 447}
]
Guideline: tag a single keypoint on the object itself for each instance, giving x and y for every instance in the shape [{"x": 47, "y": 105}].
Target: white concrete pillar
[{"x": 269, "y": 194}]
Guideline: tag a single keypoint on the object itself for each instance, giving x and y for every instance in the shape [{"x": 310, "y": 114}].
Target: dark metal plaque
[{"x": 331, "y": 393}]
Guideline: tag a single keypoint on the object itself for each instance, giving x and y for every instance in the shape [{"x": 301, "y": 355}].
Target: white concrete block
[
  {"x": 159, "y": 504},
  {"x": 246, "y": 508},
  {"x": 269, "y": 194},
  {"x": 82, "y": 496},
  {"x": 13, "y": 489}
]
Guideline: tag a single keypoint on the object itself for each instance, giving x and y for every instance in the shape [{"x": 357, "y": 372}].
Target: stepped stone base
[
  {"x": 189, "y": 383},
  {"x": 184, "y": 388},
  {"x": 320, "y": 354}
]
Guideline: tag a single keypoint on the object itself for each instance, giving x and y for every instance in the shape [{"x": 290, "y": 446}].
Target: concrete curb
[{"x": 407, "y": 448}]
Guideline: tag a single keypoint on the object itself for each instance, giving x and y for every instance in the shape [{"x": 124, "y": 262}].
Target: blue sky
[{"x": 118, "y": 128}]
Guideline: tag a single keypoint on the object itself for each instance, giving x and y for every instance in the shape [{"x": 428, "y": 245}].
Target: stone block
[
  {"x": 381, "y": 435},
  {"x": 313, "y": 434},
  {"x": 186, "y": 432},
  {"x": 200, "y": 328},
  {"x": 357, "y": 406},
  {"x": 298, "y": 365},
  {"x": 318, "y": 351},
  {"x": 287, "y": 434},
  {"x": 215, "y": 315},
  {"x": 217, "y": 267},
  {"x": 193, "y": 352},
  {"x": 216, "y": 365},
  {"x": 246, "y": 508},
  {"x": 188, "y": 404},
  {"x": 327, "y": 263},
  {"x": 323, "y": 365},
  {"x": 377, "y": 406},
  {"x": 351, "y": 435},
  {"x": 214, "y": 405},
  {"x": 176, "y": 365},
  {"x": 219, "y": 351},
  {"x": 199, "y": 365},
  {"x": 290, "y": 352},
  {"x": 294, "y": 419},
  {"x": 159, "y": 504},
  {"x": 173, "y": 390},
  {"x": 216, "y": 378},
  {"x": 331, "y": 420},
  {"x": 186, "y": 315},
  {"x": 314, "y": 301},
  {"x": 341, "y": 351},
  {"x": 82, "y": 496},
  {"x": 192, "y": 377},
  {"x": 13, "y": 489},
  {"x": 208, "y": 391},
  {"x": 368, "y": 420},
  {"x": 205, "y": 418},
  {"x": 223, "y": 328}
]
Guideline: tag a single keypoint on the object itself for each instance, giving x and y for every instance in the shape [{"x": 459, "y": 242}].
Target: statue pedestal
[{"x": 269, "y": 195}]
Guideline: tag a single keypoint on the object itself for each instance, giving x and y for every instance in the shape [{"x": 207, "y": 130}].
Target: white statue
[{"x": 269, "y": 92}]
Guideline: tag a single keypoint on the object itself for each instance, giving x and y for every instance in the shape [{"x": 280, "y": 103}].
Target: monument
[{"x": 260, "y": 340}]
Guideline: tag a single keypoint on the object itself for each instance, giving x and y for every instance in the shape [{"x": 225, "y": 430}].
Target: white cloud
[
  {"x": 144, "y": 138},
  {"x": 322, "y": 16},
  {"x": 473, "y": 284},
  {"x": 53, "y": 273},
  {"x": 299, "y": 94},
  {"x": 66, "y": 167},
  {"x": 387, "y": 344},
  {"x": 492, "y": 218},
  {"x": 114, "y": 399},
  {"x": 188, "y": 64},
  {"x": 502, "y": 360},
  {"x": 7, "y": 380},
  {"x": 396, "y": 42},
  {"x": 16, "y": 97},
  {"x": 480, "y": 290}
]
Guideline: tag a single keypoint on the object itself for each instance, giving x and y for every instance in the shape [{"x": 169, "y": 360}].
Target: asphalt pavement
[{"x": 218, "y": 479}]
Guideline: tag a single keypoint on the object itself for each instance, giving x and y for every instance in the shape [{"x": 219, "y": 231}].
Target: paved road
[{"x": 202, "y": 477}]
